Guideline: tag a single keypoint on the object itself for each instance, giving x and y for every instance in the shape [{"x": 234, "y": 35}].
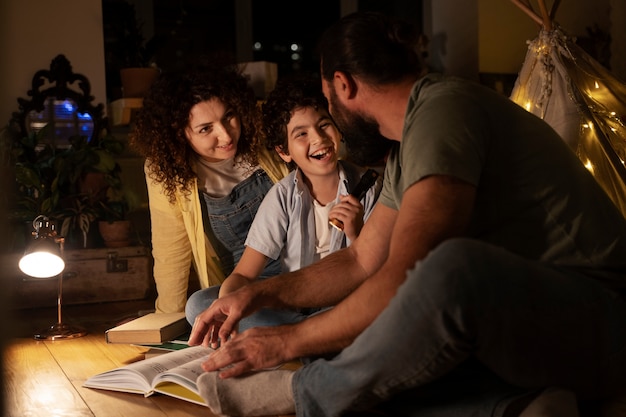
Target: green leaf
[
  {"x": 27, "y": 176},
  {"x": 106, "y": 161}
]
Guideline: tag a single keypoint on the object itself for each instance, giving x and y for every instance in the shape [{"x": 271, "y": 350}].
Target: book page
[
  {"x": 121, "y": 379},
  {"x": 180, "y": 392},
  {"x": 138, "y": 376},
  {"x": 180, "y": 382}
]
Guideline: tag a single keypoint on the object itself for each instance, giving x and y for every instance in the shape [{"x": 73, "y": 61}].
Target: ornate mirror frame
[{"x": 60, "y": 83}]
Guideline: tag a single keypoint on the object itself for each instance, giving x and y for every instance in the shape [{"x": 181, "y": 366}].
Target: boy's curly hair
[
  {"x": 159, "y": 130},
  {"x": 291, "y": 93}
]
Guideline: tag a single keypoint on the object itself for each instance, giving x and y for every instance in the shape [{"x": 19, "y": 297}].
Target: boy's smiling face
[{"x": 313, "y": 141}]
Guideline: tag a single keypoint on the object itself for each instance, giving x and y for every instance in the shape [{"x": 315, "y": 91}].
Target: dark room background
[{"x": 179, "y": 33}]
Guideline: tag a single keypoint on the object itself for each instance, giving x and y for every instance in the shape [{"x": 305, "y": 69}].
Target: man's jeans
[{"x": 468, "y": 306}]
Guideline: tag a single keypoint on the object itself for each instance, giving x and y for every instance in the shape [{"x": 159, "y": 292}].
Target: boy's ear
[{"x": 283, "y": 155}]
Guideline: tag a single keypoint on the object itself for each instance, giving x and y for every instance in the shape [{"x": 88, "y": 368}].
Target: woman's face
[
  {"x": 213, "y": 130},
  {"x": 313, "y": 141}
]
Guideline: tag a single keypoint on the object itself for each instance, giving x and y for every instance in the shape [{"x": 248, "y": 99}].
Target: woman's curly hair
[
  {"x": 290, "y": 94},
  {"x": 159, "y": 130}
]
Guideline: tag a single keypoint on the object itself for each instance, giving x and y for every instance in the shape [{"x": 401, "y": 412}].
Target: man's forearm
[{"x": 317, "y": 285}]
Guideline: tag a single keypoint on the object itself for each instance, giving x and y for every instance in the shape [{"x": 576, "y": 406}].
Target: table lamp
[{"x": 43, "y": 258}]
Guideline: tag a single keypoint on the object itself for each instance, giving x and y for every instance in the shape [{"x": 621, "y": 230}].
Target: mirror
[{"x": 61, "y": 100}]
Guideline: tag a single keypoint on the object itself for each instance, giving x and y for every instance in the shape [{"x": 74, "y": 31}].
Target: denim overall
[{"x": 227, "y": 220}]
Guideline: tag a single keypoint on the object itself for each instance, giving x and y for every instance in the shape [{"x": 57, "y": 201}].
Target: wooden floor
[{"x": 44, "y": 378}]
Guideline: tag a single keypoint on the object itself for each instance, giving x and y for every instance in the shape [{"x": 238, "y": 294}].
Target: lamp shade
[{"x": 42, "y": 259}]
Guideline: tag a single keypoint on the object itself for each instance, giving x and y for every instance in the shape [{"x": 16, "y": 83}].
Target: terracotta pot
[
  {"x": 93, "y": 184},
  {"x": 115, "y": 234},
  {"x": 136, "y": 82}
]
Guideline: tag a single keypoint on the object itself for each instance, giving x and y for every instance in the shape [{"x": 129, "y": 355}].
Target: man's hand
[
  {"x": 256, "y": 348},
  {"x": 218, "y": 323}
]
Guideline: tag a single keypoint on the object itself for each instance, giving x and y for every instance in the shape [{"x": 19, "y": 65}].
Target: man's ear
[
  {"x": 345, "y": 85},
  {"x": 283, "y": 155}
]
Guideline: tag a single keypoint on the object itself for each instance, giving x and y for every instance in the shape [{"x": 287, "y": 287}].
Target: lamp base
[{"x": 60, "y": 331}]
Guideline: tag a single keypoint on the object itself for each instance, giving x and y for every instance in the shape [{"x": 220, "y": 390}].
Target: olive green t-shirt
[{"x": 533, "y": 195}]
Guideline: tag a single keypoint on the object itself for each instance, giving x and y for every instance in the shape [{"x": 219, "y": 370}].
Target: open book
[{"x": 174, "y": 373}]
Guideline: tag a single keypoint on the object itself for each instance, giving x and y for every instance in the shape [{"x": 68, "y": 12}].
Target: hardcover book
[
  {"x": 153, "y": 328},
  {"x": 174, "y": 374},
  {"x": 165, "y": 347}
]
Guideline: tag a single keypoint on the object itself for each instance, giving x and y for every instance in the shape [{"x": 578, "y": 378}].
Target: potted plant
[
  {"x": 65, "y": 184},
  {"x": 77, "y": 218},
  {"x": 127, "y": 50},
  {"x": 115, "y": 233},
  {"x": 114, "y": 226}
]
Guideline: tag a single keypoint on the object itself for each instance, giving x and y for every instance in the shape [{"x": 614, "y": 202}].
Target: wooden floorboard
[
  {"x": 35, "y": 385},
  {"x": 44, "y": 378}
]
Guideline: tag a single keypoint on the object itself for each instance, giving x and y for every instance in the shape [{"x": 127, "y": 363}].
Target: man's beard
[{"x": 364, "y": 143}]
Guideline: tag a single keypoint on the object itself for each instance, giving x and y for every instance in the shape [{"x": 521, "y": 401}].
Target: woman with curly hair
[
  {"x": 206, "y": 176},
  {"x": 292, "y": 223}
]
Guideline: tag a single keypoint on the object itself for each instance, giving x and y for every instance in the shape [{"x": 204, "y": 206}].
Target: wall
[
  {"x": 618, "y": 35},
  {"x": 467, "y": 37},
  {"x": 452, "y": 28},
  {"x": 489, "y": 36},
  {"x": 33, "y": 32},
  {"x": 504, "y": 29}
]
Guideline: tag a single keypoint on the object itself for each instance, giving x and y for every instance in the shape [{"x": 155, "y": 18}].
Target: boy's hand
[{"x": 349, "y": 211}]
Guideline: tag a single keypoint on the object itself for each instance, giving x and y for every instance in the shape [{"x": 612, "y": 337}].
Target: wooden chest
[{"x": 90, "y": 276}]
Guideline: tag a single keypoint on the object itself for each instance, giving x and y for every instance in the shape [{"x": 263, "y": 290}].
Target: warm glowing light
[
  {"x": 593, "y": 90},
  {"x": 41, "y": 264},
  {"x": 46, "y": 395}
]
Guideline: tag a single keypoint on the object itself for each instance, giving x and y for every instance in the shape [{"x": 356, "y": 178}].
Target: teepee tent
[{"x": 579, "y": 98}]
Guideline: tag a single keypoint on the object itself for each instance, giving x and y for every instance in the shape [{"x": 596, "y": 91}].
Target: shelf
[{"x": 121, "y": 111}]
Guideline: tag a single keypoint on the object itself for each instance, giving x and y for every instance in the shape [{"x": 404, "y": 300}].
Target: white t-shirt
[
  {"x": 218, "y": 179},
  {"x": 322, "y": 229}
]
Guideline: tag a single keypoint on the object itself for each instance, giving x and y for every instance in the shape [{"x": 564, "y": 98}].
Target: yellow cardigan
[{"x": 180, "y": 239}]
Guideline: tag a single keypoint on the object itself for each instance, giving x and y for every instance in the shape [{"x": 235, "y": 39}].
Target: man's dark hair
[{"x": 372, "y": 46}]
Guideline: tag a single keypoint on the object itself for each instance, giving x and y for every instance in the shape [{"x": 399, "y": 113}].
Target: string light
[{"x": 590, "y": 94}]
